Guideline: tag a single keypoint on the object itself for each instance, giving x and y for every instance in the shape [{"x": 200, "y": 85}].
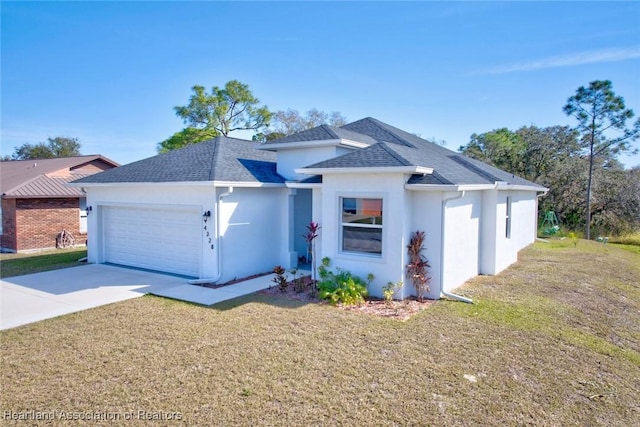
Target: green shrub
[
  {"x": 390, "y": 290},
  {"x": 574, "y": 238},
  {"x": 627, "y": 239},
  {"x": 340, "y": 287}
]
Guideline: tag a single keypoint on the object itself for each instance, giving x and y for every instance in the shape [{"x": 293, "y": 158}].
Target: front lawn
[
  {"x": 552, "y": 341},
  {"x": 27, "y": 263}
]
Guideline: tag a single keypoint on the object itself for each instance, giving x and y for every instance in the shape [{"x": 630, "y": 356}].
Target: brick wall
[
  {"x": 38, "y": 222},
  {"x": 8, "y": 238}
]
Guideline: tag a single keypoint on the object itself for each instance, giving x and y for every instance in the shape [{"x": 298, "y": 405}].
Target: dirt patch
[{"x": 398, "y": 310}]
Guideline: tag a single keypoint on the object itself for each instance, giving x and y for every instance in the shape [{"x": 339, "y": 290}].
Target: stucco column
[{"x": 292, "y": 255}]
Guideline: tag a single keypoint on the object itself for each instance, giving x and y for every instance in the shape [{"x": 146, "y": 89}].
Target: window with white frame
[
  {"x": 507, "y": 233},
  {"x": 361, "y": 225}
]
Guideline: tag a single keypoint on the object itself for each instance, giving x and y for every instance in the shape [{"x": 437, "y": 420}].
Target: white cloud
[{"x": 569, "y": 60}]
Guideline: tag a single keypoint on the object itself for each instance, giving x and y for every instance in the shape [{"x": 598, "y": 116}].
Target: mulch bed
[{"x": 397, "y": 310}]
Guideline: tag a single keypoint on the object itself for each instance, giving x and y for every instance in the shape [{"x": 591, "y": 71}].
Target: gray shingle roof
[
  {"x": 237, "y": 160},
  {"x": 323, "y": 133},
  {"x": 219, "y": 159},
  {"x": 399, "y": 148},
  {"x": 379, "y": 131},
  {"x": 377, "y": 155}
]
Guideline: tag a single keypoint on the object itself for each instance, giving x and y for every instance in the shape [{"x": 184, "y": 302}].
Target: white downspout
[
  {"x": 218, "y": 242},
  {"x": 442, "y": 240}
]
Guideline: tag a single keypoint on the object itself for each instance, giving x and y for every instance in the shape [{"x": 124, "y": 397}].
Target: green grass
[
  {"x": 19, "y": 264},
  {"x": 553, "y": 340},
  {"x": 627, "y": 239}
]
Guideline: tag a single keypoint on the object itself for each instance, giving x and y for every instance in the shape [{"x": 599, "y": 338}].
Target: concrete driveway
[{"x": 34, "y": 297}]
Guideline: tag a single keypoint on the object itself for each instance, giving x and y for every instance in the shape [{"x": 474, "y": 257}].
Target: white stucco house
[{"x": 229, "y": 208}]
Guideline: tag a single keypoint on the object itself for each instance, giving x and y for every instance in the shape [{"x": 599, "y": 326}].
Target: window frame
[
  {"x": 342, "y": 225},
  {"x": 508, "y": 215}
]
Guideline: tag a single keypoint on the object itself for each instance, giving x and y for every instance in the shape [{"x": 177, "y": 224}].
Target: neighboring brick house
[{"x": 37, "y": 203}]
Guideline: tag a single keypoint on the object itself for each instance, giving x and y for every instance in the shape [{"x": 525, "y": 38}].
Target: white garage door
[{"x": 167, "y": 239}]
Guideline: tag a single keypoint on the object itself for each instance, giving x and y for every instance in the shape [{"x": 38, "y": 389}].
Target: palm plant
[
  {"x": 310, "y": 236},
  {"x": 418, "y": 264}
]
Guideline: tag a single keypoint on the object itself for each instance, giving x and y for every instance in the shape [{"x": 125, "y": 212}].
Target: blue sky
[{"x": 110, "y": 73}]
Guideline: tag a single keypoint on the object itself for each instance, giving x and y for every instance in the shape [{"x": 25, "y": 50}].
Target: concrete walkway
[
  {"x": 208, "y": 296},
  {"x": 34, "y": 297}
]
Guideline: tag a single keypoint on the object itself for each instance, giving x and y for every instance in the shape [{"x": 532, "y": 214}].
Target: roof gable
[
  {"x": 378, "y": 155},
  {"x": 322, "y": 133},
  {"x": 48, "y": 177},
  {"x": 379, "y": 131}
]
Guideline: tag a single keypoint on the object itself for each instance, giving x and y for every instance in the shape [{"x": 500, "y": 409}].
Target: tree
[
  {"x": 288, "y": 122},
  {"x": 602, "y": 124},
  {"x": 530, "y": 152},
  {"x": 501, "y": 148},
  {"x": 616, "y": 199},
  {"x": 224, "y": 110},
  {"x": 553, "y": 157},
  {"x": 185, "y": 137},
  {"x": 544, "y": 149},
  {"x": 54, "y": 147}
]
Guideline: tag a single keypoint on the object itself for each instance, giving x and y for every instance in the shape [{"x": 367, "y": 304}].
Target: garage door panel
[{"x": 163, "y": 239}]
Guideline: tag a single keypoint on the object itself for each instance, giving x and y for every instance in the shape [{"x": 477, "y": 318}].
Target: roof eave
[
  {"x": 253, "y": 184},
  {"x": 295, "y": 184},
  {"x": 501, "y": 185},
  {"x": 449, "y": 187},
  {"x": 314, "y": 143},
  {"x": 248, "y": 184},
  {"x": 366, "y": 170},
  {"x": 49, "y": 196}
]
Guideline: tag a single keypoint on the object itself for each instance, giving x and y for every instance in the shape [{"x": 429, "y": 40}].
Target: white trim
[
  {"x": 294, "y": 184},
  {"x": 473, "y": 187},
  {"x": 83, "y": 215},
  {"x": 508, "y": 213},
  {"x": 501, "y": 185},
  {"x": 366, "y": 170},
  {"x": 314, "y": 143},
  {"x": 134, "y": 184},
  {"x": 247, "y": 184},
  {"x": 167, "y": 206},
  {"x": 341, "y": 224},
  {"x": 448, "y": 187}
]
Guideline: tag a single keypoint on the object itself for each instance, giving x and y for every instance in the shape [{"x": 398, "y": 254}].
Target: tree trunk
[{"x": 588, "y": 225}]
